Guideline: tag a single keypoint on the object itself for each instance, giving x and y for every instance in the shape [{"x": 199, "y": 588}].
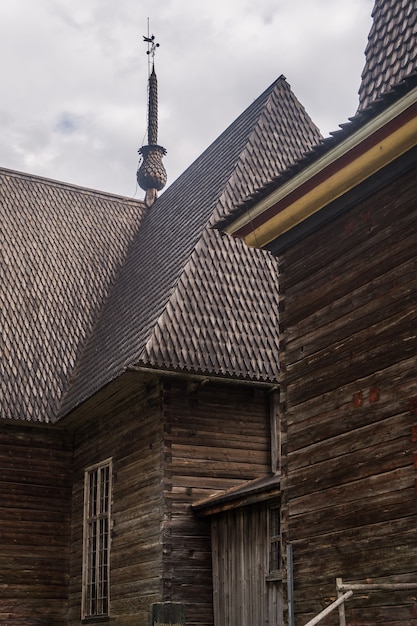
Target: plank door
[{"x": 247, "y": 585}]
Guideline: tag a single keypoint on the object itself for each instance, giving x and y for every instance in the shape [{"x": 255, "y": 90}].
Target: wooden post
[
  {"x": 342, "y": 614},
  {"x": 329, "y": 609},
  {"x": 167, "y": 614},
  {"x": 290, "y": 585},
  {"x": 275, "y": 431}
]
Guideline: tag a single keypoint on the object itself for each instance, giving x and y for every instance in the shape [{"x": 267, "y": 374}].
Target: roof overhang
[
  {"x": 367, "y": 151},
  {"x": 259, "y": 490}
]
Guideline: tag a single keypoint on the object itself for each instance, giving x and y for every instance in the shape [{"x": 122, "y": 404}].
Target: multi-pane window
[
  {"x": 97, "y": 501},
  {"x": 274, "y": 540}
]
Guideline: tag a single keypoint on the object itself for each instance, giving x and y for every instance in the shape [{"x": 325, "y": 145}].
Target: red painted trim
[{"x": 329, "y": 170}]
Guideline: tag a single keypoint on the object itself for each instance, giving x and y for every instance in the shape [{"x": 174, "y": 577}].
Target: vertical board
[{"x": 243, "y": 595}]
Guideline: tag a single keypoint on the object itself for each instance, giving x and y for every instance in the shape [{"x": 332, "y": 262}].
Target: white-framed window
[{"x": 96, "y": 545}]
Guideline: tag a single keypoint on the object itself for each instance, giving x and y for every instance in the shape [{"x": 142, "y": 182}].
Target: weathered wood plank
[
  {"x": 348, "y": 321},
  {"x": 215, "y": 438},
  {"x": 35, "y": 491},
  {"x": 131, "y": 433}
]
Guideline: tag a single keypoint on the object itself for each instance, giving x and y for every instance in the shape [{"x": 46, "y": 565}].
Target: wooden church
[
  {"x": 196, "y": 431},
  {"x": 139, "y": 375}
]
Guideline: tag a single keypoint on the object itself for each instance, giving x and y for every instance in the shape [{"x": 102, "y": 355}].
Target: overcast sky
[{"x": 74, "y": 76}]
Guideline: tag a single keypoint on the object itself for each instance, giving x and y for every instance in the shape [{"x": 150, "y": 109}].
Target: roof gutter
[{"x": 379, "y": 142}]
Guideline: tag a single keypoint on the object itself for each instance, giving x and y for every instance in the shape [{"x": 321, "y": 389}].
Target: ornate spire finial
[{"x": 151, "y": 175}]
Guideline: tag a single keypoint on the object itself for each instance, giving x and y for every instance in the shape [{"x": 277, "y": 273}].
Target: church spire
[{"x": 151, "y": 175}]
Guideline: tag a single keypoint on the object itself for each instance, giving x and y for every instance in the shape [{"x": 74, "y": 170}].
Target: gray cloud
[{"x": 75, "y": 72}]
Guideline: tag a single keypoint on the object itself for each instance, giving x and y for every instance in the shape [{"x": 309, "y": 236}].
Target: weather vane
[{"x": 152, "y": 46}]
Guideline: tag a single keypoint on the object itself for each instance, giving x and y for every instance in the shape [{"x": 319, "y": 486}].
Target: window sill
[
  {"x": 95, "y": 619},
  {"x": 273, "y": 576}
]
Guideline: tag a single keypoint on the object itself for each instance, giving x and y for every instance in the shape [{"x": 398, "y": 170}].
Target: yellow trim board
[
  {"x": 332, "y": 156},
  {"x": 348, "y": 177}
]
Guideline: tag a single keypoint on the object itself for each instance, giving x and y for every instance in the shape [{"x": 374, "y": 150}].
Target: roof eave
[
  {"x": 262, "y": 489},
  {"x": 373, "y": 146},
  {"x": 204, "y": 377}
]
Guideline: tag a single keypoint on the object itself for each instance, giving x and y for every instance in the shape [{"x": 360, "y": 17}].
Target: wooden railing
[
  {"x": 337, "y": 603},
  {"x": 346, "y": 590}
]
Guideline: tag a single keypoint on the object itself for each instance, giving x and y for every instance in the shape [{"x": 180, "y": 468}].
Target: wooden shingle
[
  {"x": 94, "y": 283},
  {"x": 391, "y": 53},
  {"x": 187, "y": 299},
  {"x": 61, "y": 248}
]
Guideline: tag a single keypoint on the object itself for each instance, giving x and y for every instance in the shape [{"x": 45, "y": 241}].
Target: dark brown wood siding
[
  {"x": 349, "y": 387},
  {"x": 216, "y": 437},
  {"x": 124, "y": 423},
  {"x": 35, "y": 495}
]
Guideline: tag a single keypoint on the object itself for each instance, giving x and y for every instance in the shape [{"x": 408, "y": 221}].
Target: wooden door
[{"x": 246, "y": 592}]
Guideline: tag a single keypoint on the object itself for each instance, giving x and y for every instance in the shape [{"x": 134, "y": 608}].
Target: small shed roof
[{"x": 255, "y": 491}]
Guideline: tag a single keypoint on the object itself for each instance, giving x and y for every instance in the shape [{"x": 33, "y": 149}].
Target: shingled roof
[
  {"x": 391, "y": 53},
  {"x": 188, "y": 299},
  {"x": 95, "y": 284},
  {"x": 61, "y": 248}
]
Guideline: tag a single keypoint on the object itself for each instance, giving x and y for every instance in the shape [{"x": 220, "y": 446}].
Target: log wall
[
  {"x": 348, "y": 315},
  {"x": 35, "y": 496},
  {"x": 123, "y": 423},
  {"x": 172, "y": 442},
  {"x": 216, "y": 436}
]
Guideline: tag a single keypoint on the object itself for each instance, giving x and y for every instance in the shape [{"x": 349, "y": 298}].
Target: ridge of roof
[
  {"x": 217, "y": 269},
  {"x": 44, "y": 180},
  {"x": 293, "y": 136},
  {"x": 164, "y": 291}
]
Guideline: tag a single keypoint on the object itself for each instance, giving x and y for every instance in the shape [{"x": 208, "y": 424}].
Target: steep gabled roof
[
  {"x": 92, "y": 283},
  {"x": 186, "y": 299},
  {"x": 391, "y": 53},
  {"x": 61, "y": 248}
]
